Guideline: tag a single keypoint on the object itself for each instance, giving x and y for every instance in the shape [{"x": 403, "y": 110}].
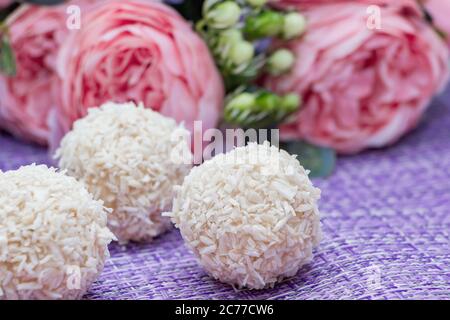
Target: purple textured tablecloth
[{"x": 386, "y": 223}]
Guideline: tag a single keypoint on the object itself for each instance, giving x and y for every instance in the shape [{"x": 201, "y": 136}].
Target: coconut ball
[
  {"x": 130, "y": 157},
  {"x": 250, "y": 216},
  {"x": 53, "y": 235}
]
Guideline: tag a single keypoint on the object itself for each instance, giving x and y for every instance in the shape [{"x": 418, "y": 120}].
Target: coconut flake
[
  {"x": 238, "y": 241},
  {"x": 129, "y": 157},
  {"x": 49, "y": 224}
]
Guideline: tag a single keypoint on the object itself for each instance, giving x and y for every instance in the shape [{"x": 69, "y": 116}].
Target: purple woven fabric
[{"x": 386, "y": 223}]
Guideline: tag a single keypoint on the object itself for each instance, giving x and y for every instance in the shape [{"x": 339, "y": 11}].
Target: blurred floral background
[{"x": 336, "y": 76}]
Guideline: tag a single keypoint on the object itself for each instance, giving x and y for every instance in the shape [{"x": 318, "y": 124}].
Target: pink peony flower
[
  {"x": 363, "y": 87},
  {"x": 139, "y": 51},
  {"x": 26, "y": 100},
  {"x": 440, "y": 11},
  {"x": 304, "y": 4}
]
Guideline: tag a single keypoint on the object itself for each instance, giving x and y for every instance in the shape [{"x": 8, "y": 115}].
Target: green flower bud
[
  {"x": 227, "y": 40},
  {"x": 294, "y": 25},
  {"x": 239, "y": 109},
  {"x": 260, "y": 109},
  {"x": 266, "y": 24},
  {"x": 257, "y": 3},
  {"x": 223, "y": 15},
  {"x": 291, "y": 102},
  {"x": 268, "y": 101},
  {"x": 242, "y": 101},
  {"x": 231, "y": 36},
  {"x": 241, "y": 53},
  {"x": 280, "y": 62}
]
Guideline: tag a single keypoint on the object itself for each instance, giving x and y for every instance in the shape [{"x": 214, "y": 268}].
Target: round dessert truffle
[
  {"x": 250, "y": 216},
  {"x": 130, "y": 157},
  {"x": 53, "y": 235}
]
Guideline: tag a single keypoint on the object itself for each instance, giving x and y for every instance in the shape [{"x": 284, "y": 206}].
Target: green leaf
[
  {"x": 7, "y": 59},
  {"x": 319, "y": 160}
]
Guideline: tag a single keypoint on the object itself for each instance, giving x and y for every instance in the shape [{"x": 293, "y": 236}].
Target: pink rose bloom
[
  {"x": 362, "y": 87},
  {"x": 139, "y": 51},
  {"x": 440, "y": 11},
  {"x": 304, "y": 4},
  {"x": 26, "y": 99}
]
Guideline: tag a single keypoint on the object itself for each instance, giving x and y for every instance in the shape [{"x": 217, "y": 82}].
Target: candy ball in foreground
[
  {"x": 126, "y": 156},
  {"x": 53, "y": 235},
  {"x": 250, "y": 216}
]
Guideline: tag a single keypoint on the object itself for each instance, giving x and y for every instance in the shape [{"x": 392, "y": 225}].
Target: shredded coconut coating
[
  {"x": 53, "y": 235},
  {"x": 250, "y": 216},
  {"x": 125, "y": 156}
]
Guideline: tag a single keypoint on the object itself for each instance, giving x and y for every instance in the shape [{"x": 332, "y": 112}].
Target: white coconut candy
[
  {"x": 250, "y": 216},
  {"x": 53, "y": 235},
  {"x": 130, "y": 157}
]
